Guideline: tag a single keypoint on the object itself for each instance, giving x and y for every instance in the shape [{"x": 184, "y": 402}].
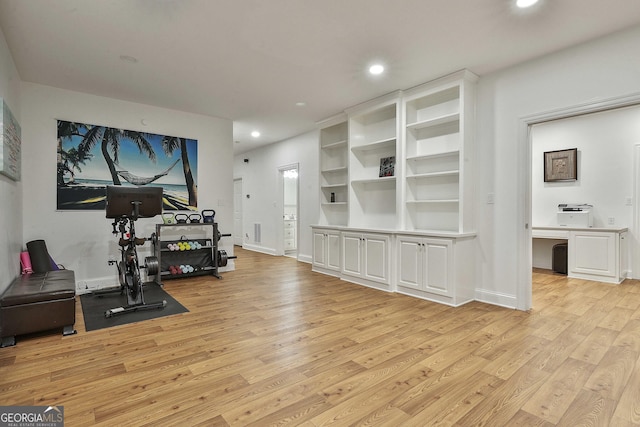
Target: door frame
[
  {"x": 235, "y": 242},
  {"x": 280, "y": 210},
  {"x": 524, "y": 210}
]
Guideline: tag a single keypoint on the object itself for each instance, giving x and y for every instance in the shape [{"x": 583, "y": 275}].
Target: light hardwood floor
[{"x": 274, "y": 344}]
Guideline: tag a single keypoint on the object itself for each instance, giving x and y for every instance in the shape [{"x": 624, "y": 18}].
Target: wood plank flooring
[{"x": 273, "y": 343}]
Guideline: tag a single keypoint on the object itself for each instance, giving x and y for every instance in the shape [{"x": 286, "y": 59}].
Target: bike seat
[{"x": 138, "y": 241}]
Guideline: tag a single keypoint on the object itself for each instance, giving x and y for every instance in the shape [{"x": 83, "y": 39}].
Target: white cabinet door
[
  {"x": 376, "y": 261},
  {"x": 332, "y": 242},
  {"x": 438, "y": 272},
  {"x": 366, "y": 256},
  {"x": 352, "y": 254},
  {"x": 410, "y": 262},
  {"x": 593, "y": 253},
  {"x": 425, "y": 264},
  {"x": 326, "y": 249},
  {"x": 319, "y": 251}
]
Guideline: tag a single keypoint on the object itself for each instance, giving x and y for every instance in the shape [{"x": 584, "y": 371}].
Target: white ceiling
[{"x": 251, "y": 61}]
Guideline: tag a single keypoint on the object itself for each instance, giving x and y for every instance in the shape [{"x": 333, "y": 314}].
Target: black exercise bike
[
  {"x": 126, "y": 205},
  {"x": 129, "y": 269}
]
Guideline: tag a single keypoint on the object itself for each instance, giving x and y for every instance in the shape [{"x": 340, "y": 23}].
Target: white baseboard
[
  {"x": 496, "y": 298},
  {"x": 261, "y": 249},
  {"x": 89, "y": 285},
  {"x": 305, "y": 258}
]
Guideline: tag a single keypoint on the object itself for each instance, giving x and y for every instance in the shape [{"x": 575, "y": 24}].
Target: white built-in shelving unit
[
  {"x": 373, "y": 136},
  {"x": 439, "y": 154},
  {"x": 334, "y": 171},
  {"x": 411, "y": 232}
]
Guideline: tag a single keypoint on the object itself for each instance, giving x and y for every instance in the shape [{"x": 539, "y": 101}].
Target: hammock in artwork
[{"x": 141, "y": 180}]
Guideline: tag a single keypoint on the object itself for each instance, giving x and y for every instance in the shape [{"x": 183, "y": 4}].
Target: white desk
[{"x": 593, "y": 253}]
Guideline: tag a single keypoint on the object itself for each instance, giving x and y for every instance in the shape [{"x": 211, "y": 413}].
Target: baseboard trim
[
  {"x": 261, "y": 249},
  {"x": 496, "y": 298},
  {"x": 305, "y": 258}
]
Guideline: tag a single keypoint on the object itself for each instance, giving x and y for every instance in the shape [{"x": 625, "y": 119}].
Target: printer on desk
[{"x": 575, "y": 215}]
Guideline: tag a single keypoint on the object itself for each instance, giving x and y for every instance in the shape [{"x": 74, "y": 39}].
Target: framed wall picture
[
  {"x": 9, "y": 143},
  {"x": 387, "y": 166},
  {"x": 561, "y": 165},
  {"x": 91, "y": 157}
]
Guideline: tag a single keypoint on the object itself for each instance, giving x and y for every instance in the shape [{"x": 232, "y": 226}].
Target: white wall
[
  {"x": 605, "y": 144},
  {"x": 606, "y": 68},
  {"x": 260, "y": 181},
  {"x": 10, "y": 191},
  {"x": 82, "y": 240}
]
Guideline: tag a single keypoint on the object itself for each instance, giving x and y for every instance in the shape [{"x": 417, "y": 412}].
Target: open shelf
[
  {"x": 434, "y": 174},
  {"x": 380, "y": 180},
  {"x": 448, "y": 118},
  {"x": 433, "y": 215},
  {"x": 425, "y": 201},
  {"x": 383, "y": 144},
  {"x": 433, "y": 104},
  {"x": 335, "y": 170},
  {"x": 433, "y": 155},
  {"x": 334, "y": 145},
  {"x": 438, "y": 149}
]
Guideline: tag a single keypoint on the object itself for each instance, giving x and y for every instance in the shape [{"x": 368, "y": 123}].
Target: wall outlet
[
  {"x": 491, "y": 198},
  {"x": 611, "y": 220}
]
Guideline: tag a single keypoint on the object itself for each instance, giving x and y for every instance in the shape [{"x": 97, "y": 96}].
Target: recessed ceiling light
[
  {"x": 376, "y": 69},
  {"x": 127, "y": 58},
  {"x": 255, "y": 134},
  {"x": 301, "y": 104},
  {"x": 525, "y": 3}
]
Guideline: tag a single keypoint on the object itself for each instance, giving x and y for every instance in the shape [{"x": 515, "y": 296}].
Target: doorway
[
  {"x": 289, "y": 182},
  {"x": 238, "y": 232},
  {"x": 525, "y": 149}
]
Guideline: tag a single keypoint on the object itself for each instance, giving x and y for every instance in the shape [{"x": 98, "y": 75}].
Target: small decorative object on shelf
[
  {"x": 333, "y": 197},
  {"x": 387, "y": 166}
]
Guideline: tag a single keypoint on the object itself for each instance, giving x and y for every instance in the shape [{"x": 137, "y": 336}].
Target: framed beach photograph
[
  {"x": 561, "y": 165},
  {"x": 91, "y": 157}
]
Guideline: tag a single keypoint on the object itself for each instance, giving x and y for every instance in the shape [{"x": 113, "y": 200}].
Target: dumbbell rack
[{"x": 205, "y": 257}]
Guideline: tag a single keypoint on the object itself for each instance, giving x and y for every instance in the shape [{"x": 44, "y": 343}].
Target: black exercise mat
[{"x": 94, "y": 307}]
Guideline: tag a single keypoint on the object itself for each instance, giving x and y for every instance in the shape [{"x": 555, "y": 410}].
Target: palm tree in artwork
[
  {"x": 71, "y": 159},
  {"x": 169, "y": 145},
  {"x": 110, "y": 140}
]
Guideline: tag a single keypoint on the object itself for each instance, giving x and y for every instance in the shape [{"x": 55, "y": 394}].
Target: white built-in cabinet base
[
  {"x": 437, "y": 267},
  {"x": 326, "y": 251},
  {"x": 598, "y": 254},
  {"x": 366, "y": 259}
]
